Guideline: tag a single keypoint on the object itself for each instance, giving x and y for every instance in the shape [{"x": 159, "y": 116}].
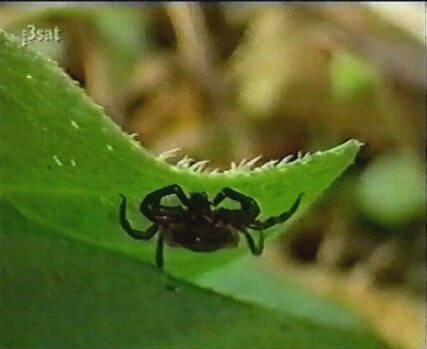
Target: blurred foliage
[
  {"x": 263, "y": 53},
  {"x": 228, "y": 82},
  {"x": 351, "y": 76},
  {"x": 391, "y": 190}
]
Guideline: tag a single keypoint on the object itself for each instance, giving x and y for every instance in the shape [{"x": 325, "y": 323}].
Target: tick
[{"x": 199, "y": 224}]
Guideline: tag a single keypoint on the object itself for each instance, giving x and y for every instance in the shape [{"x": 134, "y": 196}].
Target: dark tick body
[{"x": 199, "y": 224}]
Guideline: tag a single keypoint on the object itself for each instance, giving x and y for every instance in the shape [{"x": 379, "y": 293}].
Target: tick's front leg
[
  {"x": 136, "y": 234},
  {"x": 269, "y": 222},
  {"x": 248, "y": 205},
  {"x": 151, "y": 206}
]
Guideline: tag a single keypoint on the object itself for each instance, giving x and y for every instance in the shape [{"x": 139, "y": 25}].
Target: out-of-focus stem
[{"x": 198, "y": 55}]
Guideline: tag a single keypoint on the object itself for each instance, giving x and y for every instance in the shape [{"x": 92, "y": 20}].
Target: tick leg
[
  {"x": 269, "y": 222},
  {"x": 248, "y": 205},
  {"x": 151, "y": 206},
  {"x": 159, "y": 251},
  {"x": 136, "y": 234},
  {"x": 255, "y": 250}
]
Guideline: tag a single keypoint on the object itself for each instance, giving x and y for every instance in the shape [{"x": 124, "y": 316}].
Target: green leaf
[
  {"x": 72, "y": 278},
  {"x": 254, "y": 282},
  {"x": 74, "y": 162},
  {"x": 57, "y": 292}
]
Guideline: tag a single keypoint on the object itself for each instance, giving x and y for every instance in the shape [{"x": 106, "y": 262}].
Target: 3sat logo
[{"x": 33, "y": 33}]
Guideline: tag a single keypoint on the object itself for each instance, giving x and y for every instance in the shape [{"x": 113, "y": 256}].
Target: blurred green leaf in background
[
  {"x": 351, "y": 76},
  {"x": 391, "y": 190}
]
